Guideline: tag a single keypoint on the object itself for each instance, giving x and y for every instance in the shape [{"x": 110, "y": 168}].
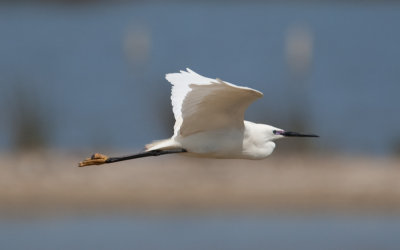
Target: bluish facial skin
[{"x": 278, "y": 132}]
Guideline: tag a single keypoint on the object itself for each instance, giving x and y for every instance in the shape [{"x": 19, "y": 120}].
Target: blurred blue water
[
  {"x": 73, "y": 58},
  {"x": 203, "y": 232}
]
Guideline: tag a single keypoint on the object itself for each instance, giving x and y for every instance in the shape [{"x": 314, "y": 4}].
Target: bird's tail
[{"x": 166, "y": 144}]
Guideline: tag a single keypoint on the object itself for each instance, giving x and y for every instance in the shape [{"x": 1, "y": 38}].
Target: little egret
[{"x": 209, "y": 122}]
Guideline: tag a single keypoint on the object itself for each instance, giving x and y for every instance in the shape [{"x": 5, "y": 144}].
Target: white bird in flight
[{"x": 209, "y": 122}]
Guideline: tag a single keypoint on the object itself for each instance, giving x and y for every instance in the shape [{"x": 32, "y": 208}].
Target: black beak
[{"x": 295, "y": 134}]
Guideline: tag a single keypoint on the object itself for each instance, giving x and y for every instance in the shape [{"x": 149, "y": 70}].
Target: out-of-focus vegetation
[{"x": 31, "y": 127}]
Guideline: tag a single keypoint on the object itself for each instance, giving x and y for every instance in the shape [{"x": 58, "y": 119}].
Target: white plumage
[{"x": 209, "y": 119}]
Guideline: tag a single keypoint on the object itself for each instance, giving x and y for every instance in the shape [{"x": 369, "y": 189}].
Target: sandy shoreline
[{"x": 52, "y": 183}]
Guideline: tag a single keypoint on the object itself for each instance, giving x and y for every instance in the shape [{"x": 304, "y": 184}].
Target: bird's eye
[{"x": 274, "y": 131}]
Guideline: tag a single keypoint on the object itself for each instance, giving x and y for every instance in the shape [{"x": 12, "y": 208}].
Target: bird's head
[{"x": 280, "y": 133}]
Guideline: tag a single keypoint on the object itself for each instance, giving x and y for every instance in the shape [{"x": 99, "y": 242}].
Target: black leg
[{"x": 156, "y": 152}]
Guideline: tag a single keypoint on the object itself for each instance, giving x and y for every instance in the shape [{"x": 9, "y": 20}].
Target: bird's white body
[
  {"x": 209, "y": 116},
  {"x": 252, "y": 142}
]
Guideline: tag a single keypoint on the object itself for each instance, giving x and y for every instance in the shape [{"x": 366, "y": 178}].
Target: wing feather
[{"x": 201, "y": 103}]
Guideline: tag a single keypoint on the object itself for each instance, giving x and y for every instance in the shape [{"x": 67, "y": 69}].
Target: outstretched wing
[{"x": 202, "y": 104}]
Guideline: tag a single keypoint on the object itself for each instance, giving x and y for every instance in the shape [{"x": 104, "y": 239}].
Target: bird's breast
[{"x": 256, "y": 151}]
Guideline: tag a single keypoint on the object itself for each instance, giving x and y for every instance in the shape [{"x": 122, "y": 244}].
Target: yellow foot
[{"x": 95, "y": 159}]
